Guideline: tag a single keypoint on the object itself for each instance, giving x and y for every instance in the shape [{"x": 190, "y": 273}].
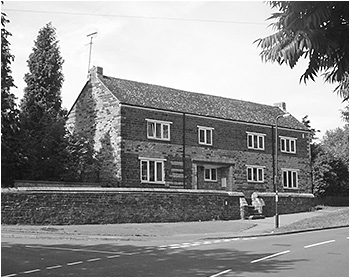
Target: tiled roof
[{"x": 159, "y": 97}]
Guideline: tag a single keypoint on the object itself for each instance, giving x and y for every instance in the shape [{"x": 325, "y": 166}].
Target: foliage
[
  {"x": 345, "y": 114},
  {"x": 331, "y": 176},
  {"x": 81, "y": 163},
  {"x": 330, "y": 165},
  {"x": 42, "y": 117},
  {"x": 10, "y": 151},
  {"x": 305, "y": 120},
  {"x": 317, "y": 30},
  {"x": 336, "y": 142}
]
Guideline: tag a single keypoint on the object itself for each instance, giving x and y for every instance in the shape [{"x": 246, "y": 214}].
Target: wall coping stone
[
  {"x": 116, "y": 190},
  {"x": 32, "y": 183},
  {"x": 282, "y": 195}
]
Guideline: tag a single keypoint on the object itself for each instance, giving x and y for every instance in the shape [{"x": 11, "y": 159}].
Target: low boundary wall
[
  {"x": 88, "y": 205},
  {"x": 287, "y": 202}
]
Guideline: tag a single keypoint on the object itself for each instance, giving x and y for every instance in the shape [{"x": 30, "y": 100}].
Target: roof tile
[{"x": 159, "y": 97}]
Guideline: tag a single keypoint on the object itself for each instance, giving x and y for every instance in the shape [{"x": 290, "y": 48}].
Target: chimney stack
[
  {"x": 95, "y": 72},
  {"x": 99, "y": 70},
  {"x": 281, "y": 105}
]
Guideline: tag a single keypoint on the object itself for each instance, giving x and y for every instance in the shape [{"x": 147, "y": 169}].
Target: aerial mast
[{"x": 91, "y": 37}]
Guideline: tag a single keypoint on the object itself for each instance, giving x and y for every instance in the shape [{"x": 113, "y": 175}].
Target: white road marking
[
  {"x": 187, "y": 244},
  {"x": 114, "y": 256},
  {"x": 74, "y": 263},
  {"x": 71, "y": 249},
  {"x": 320, "y": 243},
  {"x": 129, "y": 254},
  {"x": 271, "y": 256},
  {"x": 31, "y": 271},
  {"x": 222, "y": 272},
  {"x": 55, "y": 266},
  {"x": 10, "y": 275},
  {"x": 94, "y": 260}
]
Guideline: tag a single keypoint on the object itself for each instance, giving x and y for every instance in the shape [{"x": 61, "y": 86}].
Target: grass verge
[{"x": 326, "y": 219}]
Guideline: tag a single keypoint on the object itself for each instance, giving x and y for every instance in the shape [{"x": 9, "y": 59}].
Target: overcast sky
[{"x": 205, "y": 47}]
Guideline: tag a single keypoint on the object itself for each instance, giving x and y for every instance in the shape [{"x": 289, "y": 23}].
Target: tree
[
  {"x": 305, "y": 120},
  {"x": 336, "y": 142},
  {"x": 10, "y": 151},
  {"x": 81, "y": 164},
  {"x": 317, "y": 30},
  {"x": 42, "y": 116},
  {"x": 331, "y": 164},
  {"x": 331, "y": 176}
]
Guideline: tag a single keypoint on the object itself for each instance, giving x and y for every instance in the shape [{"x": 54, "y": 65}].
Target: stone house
[{"x": 153, "y": 136}]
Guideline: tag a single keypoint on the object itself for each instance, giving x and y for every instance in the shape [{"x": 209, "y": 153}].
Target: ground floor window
[
  {"x": 255, "y": 173},
  {"x": 290, "y": 178},
  {"x": 152, "y": 170},
  {"x": 210, "y": 174}
]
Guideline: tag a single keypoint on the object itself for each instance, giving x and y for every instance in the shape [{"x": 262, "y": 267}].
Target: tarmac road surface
[{"x": 317, "y": 253}]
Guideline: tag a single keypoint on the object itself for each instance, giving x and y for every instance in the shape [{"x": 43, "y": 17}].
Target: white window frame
[
  {"x": 148, "y": 161},
  {"x": 257, "y": 136},
  {"x": 286, "y": 144},
  {"x": 211, "y": 178},
  {"x": 259, "y": 177},
  {"x": 158, "y": 124},
  {"x": 291, "y": 172},
  {"x": 205, "y": 129}
]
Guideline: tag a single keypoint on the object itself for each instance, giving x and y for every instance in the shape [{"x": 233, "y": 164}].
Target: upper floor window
[
  {"x": 288, "y": 144},
  {"x": 290, "y": 178},
  {"x": 205, "y": 135},
  {"x": 152, "y": 170},
  {"x": 210, "y": 174},
  {"x": 255, "y": 173},
  {"x": 256, "y": 141},
  {"x": 159, "y": 130}
]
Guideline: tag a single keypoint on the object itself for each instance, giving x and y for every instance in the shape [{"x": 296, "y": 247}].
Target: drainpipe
[{"x": 184, "y": 148}]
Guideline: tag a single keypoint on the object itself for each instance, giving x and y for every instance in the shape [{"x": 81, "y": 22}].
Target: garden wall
[
  {"x": 88, "y": 205},
  {"x": 287, "y": 202}
]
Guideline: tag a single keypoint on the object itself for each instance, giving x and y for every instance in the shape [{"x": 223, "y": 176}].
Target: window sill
[
  {"x": 153, "y": 182},
  {"x": 256, "y": 182},
  {"x": 207, "y": 145},
  {"x": 254, "y": 149},
  {"x": 158, "y": 139}
]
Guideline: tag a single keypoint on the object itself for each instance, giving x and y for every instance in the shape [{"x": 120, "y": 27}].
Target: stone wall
[
  {"x": 119, "y": 132},
  {"x": 229, "y": 149},
  {"x": 96, "y": 115},
  {"x": 287, "y": 202},
  {"x": 73, "y": 206}
]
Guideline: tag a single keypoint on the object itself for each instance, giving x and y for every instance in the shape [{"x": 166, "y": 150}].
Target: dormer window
[{"x": 159, "y": 130}]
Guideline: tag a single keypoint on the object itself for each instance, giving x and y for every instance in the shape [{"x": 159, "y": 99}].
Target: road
[{"x": 318, "y": 253}]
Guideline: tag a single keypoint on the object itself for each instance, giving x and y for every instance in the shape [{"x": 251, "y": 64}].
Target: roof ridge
[
  {"x": 165, "y": 98},
  {"x": 191, "y": 92}
]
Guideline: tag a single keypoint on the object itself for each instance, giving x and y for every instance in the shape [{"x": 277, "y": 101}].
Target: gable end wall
[{"x": 96, "y": 115}]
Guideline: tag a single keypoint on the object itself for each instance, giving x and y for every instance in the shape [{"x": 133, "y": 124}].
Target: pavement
[{"x": 159, "y": 231}]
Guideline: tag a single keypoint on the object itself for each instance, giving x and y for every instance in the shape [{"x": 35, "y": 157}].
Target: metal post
[
  {"x": 276, "y": 175},
  {"x": 276, "y": 180},
  {"x": 91, "y": 36}
]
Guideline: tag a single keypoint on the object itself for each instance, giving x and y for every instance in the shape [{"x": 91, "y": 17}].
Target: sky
[{"x": 198, "y": 46}]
